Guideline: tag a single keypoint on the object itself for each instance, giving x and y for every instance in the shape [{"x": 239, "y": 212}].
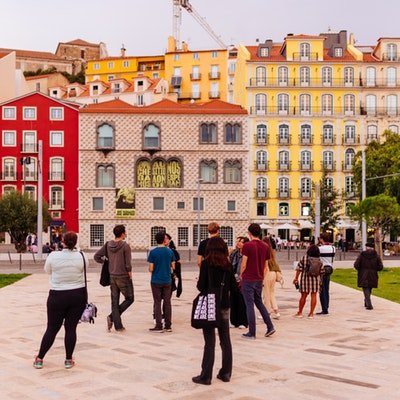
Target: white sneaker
[
  {"x": 276, "y": 315},
  {"x": 241, "y": 327}
]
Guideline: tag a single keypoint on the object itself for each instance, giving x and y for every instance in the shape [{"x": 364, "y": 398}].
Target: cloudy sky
[{"x": 144, "y": 25}]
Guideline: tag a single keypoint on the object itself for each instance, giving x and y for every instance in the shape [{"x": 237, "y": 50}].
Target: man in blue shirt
[{"x": 161, "y": 261}]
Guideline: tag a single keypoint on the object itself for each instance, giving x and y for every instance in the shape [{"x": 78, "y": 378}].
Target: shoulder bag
[
  {"x": 105, "y": 272},
  {"x": 206, "y": 309},
  {"x": 90, "y": 311}
]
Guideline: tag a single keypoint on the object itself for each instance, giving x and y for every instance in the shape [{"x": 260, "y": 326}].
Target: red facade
[{"x": 25, "y": 121}]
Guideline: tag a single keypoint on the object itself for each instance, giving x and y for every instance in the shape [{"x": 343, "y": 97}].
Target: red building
[{"x": 26, "y": 120}]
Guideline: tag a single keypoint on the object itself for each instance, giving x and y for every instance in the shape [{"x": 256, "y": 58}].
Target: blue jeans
[
  {"x": 324, "y": 293},
  {"x": 252, "y": 296},
  {"x": 118, "y": 285}
]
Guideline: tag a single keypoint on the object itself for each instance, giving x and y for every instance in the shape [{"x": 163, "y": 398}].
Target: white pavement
[{"x": 350, "y": 354}]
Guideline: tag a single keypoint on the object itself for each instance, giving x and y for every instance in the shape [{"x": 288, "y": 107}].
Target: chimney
[{"x": 123, "y": 50}]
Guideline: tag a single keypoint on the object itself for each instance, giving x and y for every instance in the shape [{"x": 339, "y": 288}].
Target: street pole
[
  {"x": 317, "y": 212},
  {"x": 363, "y": 196},
  {"x": 198, "y": 211},
  {"x": 40, "y": 201}
]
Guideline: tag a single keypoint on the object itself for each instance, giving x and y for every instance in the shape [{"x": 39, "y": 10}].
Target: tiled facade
[{"x": 180, "y": 141}]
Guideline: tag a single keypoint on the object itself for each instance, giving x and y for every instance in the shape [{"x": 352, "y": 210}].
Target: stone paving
[{"x": 350, "y": 354}]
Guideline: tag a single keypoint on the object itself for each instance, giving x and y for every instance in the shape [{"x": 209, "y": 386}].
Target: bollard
[
  {"x": 288, "y": 253},
  {"x": 9, "y": 257},
  {"x": 20, "y": 261},
  {"x": 33, "y": 256},
  {"x": 190, "y": 255}
]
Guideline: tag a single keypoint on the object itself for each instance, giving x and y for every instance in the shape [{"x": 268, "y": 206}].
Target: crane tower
[{"x": 177, "y": 21}]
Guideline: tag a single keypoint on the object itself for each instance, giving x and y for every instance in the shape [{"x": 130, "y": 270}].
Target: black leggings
[{"x": 63, "y": 306}]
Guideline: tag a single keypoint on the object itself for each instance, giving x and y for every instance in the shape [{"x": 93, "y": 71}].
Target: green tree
[
  {"x": 380, "y": 213},
  {"x": 381, "y": 159},
  {"x": 18, "y": 217},
  {"x": 330, "y": 206}
]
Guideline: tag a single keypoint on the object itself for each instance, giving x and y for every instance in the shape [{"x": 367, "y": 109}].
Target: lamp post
[
  {"x": 317, "y": 212},
  {"x": 40, "y": 201},
  {"x": 198, "y": 210},
  {"x": 363, "y": 196}
]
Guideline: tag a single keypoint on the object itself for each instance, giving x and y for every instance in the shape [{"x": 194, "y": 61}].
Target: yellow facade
[
  {"x": 125, "y": 68},
  {"x": 199, "y": 75}
]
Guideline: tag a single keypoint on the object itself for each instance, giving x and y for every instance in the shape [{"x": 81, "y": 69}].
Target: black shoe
[
  {"x": 223, "y": 378},
  {"x": 199, "y": 380},
  {"x": 369, "y": 308},
  {"x": 157, "y": 329},
  {"x": 269, "y": 333},
  {"x": 109, "y": 323},
  {"x": 248, "y": 335},
  {"x": 322, "y": 313}
]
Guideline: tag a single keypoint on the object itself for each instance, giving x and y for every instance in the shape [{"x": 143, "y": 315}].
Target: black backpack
[{"x": 313, "y": 266}]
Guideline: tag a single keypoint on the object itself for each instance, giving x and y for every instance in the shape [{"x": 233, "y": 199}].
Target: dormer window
[
  {"x": 264, "y": 52},
  {"x": 116, "y": 88},
  {"x": 305, "y": 51},
  {"x": 95, "y": 89},
  {"x": 338, "y": 52}
]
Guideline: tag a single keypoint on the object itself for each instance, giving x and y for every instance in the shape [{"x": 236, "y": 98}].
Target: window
[
  {"x": 391, "y": 52},
  {"x": 105, "y": 175},
  {"x": 338, "y": 52},
  {"x": 29, "y": 169},
  {"x": 391, "y": 104},
  {"x": 349, "y": 159},
  {"x": 370, "y": 100},
  {"x": 154, "y": 230},
  {"x": 372, "y": 132},
  {"x": 56, "y": 113},
  {"x": 96, "y": 235},
  {"x": 30, "y": 191},
  {"x": 327, "y": 134},
  {"x": 9, "y": 112},
  {"x": 226, "y": 232},
  {"x": 283, "y": 134},
  {"x": 96, "y": 66},
  {"x": 305, "y": 160},
  {"x": 29, "y": 112},
  {"x": 208, "y": 171},
  {"x": 177, "y": 57},
  {"x": 328, "y": 183},
  {"x": 8, "y": 189},
  {"x": 203, "y": 233},
  {"x": 327, "y": 160},
  {"x": 261, "y": 160},
  {"x": 283, "y": 160},
  {"x": 305, "y": 104},
  {"x": 231, "y": 205},
  {"x": 349, "y": 186},
  {"x": 110, "y": 65},
  {"x": 38, "y": 86},
  {"x": 56, "y": 197},
  {"x": 304, "y": 51},
  {"x": 29, "y": 142},
  {"x": 214, "y": 90},
  {"x": 304, "y": 76},
  {"x": 56, "y": 139},
  {"x": 9, "y": 169},
  {"x": 349, "y": 76},
  {"x": 183, "y": 236},
  {"x": 261, "y": 76},
  {"x": 125, "y": 64},
  {"x": 261, "y": 137},
  {"x": 264, "y": 52},
  {"x": 105, "y": 136},
  {"x": 233, "y": 133},
  {"x": 233, "y": 171},
  {"x": 110, "y": 77},
  {"x": 305, "y": 187},
  {"x": 394, "y": 128},
  {"x": 195, "y": 72},
  {"x": 140, "y": 100},
  {"x": 305, "y": 134},
  {"x": 371, "y": 76},
  {"x": 116, "y": 88},
  {"x": 305, "y": 209},
  {"x": 349, "y": 104},
  {"x": 9, "y": 138},
  {"x": 151, "y": 137},
  {"x": 177, "y": 72},
  {"x": 283, "y": 187},
  {"x": 180, "y": 205},
  {"x": 283, "y": 76},
  {"x": 195, "y": 91},
  {"x": 214, "y": 54},
  {"x": 391, "y": 76},
  {"x": 261, "y": 209},
  {"x": 283, "y": 209},
  {"x": 158, "y": 203},
  {"x": 348, "y": 207},
  {"x": 198, "y": 205},
  {"x": 261, "y": 190},
  {"x": 327, "y": 76},
  {"x": 208, "y": 133},
  {"x": 196, "y": 56},
  {"x": 350, "y": 134},
  {"x": 327, "y": 104},
  {"x": 97, "y": 203},
  {"x": 283, "y": 103},
  {"x": 261, "y": 103},
  {"x": 56, "y": 169}
]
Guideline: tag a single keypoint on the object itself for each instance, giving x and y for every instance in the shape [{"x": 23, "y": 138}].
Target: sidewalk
[{"x": 350, "y": 354}]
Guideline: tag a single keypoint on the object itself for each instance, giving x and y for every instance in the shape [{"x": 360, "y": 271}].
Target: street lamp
[{"x": 198, "y": 210}]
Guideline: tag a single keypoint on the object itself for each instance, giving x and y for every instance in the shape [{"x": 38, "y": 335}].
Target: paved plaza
[{"x": 350, "y": 354}]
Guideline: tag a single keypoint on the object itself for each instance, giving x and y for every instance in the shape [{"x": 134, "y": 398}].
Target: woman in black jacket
[
  {"x": 216, "y": 272},
  {"x": 368, "y": 264}
]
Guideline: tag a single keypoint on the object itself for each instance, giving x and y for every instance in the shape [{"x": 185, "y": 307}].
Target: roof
[
  {"x": 164, "y": 107},
  {"x": 34, "y": 77},
  {"x": 80, "y": 42},
  {"x": 111, "y": 58},
  {"x": 34, "y": 54},
  {"x": 302, "y": 36}
]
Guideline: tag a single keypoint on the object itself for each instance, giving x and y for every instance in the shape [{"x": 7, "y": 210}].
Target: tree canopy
[{"x": 18, "y": 217}]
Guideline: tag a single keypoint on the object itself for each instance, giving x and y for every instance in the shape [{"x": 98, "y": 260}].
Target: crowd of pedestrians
[{"x": 246, "y": 276}]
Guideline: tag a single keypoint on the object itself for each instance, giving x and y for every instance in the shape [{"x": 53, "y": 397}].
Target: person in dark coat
[{"x": 367, "y": 265}]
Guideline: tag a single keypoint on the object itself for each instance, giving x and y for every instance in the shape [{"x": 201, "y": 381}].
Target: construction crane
[{"x": 177, "y": 21}]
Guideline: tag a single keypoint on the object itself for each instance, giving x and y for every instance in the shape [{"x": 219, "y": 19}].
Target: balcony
[
  {"x": 305, "y": 57},
  {"x": 261, "y": 166},
  {"x": 351, "y": 140},
  {"x": 56, "y": 176},
  {"x": 58, "y": 205},
  {"x": 305, "y": 194},
  {"x": 284, "y": 193},
  {"x": 196, "y": 95},
  {"x": 9, "y": 176},
  {"x": 390, "y": 57},
  {"x": 214, "y": 75},
  {"x": 214, "y": 95},
  {"x": 306, "y": 166},
  {"x": 348, "y": 167},
  {"x": 283, "y": 139},
  {"x": 306, "y": 111},
  {"x": 195, "y": 77},
  {"x": 328, "y": 166},
  {"x": 328, "y": 139},
  {"x": 260, "y": 140},
  {"x": 284, "y": 166},
  {"x": 349, "y": 194},
  {"x": 29, "y": 148},
  {"x": 306, "y": 140},
  {"x": 261, "y": 193},
  {"x": 30, "y": 176},
  {"x": 274, "y": 81},
  {"x": 380, "y": 111}
]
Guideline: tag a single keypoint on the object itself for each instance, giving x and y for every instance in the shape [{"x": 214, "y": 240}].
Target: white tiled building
[{"x": 151, "y": 158}]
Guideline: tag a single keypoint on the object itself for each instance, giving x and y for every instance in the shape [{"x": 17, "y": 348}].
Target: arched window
[
  {"x": 349, "y": 158},
  {"x": 30, "y": 171},
  {"x": 305, "y": 187},
  {"x": 283, "y": 76},
  {"x": 233, "y": 133},
  {"x": 391, "y": 104},
  {"x": 56, "y": 169},
  {"x": 56, "y": 197},
  {"x": 208, "y": 133},
  {"x": 261, "y": 76},
  {"x": 233, "y": 171},
  {"x": 261, "y": 103},
  {"x": 105, "y": 136},
  {"x": 305, "y": 51},
  {"x": 283, "y": 160},
  {"x": 370, "y": 100},
  {"x": 349, "y": 186},
  {"x": 305, "y": 160},
  {"x": 9, "y": 169},
  {"x": 283, "y": 134},
  {"x": 208, "y": 171},
  {"x": 327, "y": 134},
  {"x": 261, "y": 137},
  {"x": 151, "y": 137},
  {"x": 391, "y": 76},
  {"x": 327, "y": 76},
  {"x": 394, "y": 128},
  {"x": 30, "y": 191},
  {"x": 327, "y": 104},
  {"x": 328, "y": 183},
  {"x": 305, "y": 104},
  {"x": 283, "y": 103},
  {"x": 105, "y": 175},
  {"x": 305, "y": 76},
  {"x": 349, "y": 76},
  {"x": 305, "y": 134},
  {"x": 261, "y": 160},
  {"x": 350, "y": 134},
  {"x": 261, "y": 187},
  {"x": 327, "y": 160},
  {"x": 283, "y": 187},
  {"x": 391, "y": 54},
  {"x": 371, "y": 76},
  {"x": 372, "y": 132},
  {"x": 349, "y": 104}
]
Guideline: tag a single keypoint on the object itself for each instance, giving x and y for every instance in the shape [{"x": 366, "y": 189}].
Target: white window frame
[
  {"x": 51, "y": 139},
  {"x": 27, "y": 145},
  {"x": 126, "y": 64},
  {"x": 14, "y": 136},
  {"x": 96, "y": 66},
  {"x": 6, "y": 109},
  {"x": 27, "y": 117},
  {"x": 8, "y": 188},
  {"x": 10, "y": 171},
  {"x": 56, "y": 168},
  {"x": 30, "y": 192},
  {"x": 55, "y": 109}
]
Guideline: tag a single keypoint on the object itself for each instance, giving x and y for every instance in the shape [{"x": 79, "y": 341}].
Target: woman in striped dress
[{"x": 307, "y": 283}]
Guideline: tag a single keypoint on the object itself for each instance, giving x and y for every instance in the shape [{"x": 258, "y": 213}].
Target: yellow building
[
  {"x": 303, "y": 98},
  {"x": 198, "y": 75},
  {"x": 125, "y": 67}
]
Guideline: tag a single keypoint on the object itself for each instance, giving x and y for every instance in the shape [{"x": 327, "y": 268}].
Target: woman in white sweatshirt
[{"x": 67, "y": 298}]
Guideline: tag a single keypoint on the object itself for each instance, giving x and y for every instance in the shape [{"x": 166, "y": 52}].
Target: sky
[{"x": 143, "y": 26}]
